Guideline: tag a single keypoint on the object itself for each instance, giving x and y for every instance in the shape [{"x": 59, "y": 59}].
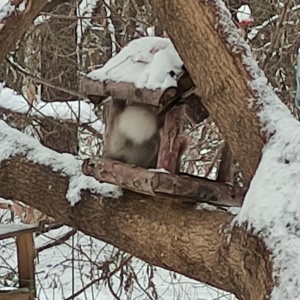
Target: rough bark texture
[
  {"x": 176, "y": 237},
  {"x": 17, "y": 24},
  {"x": 225, "y": 172},
  {"x": 185, "y": 188},
  {"x": 120, "y": 90},
  {"x": 219, "y": 75},
  {"x": 169, "y": 150}
]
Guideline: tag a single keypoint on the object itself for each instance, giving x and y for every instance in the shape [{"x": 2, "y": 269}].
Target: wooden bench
[{"x": 25, "y": 254}]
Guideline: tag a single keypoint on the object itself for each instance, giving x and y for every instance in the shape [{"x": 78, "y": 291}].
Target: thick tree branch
[
  {"x": 174, "y": 236},
  {"x": 218, "y": 72}
]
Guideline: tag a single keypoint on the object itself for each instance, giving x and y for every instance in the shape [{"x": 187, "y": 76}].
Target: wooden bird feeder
[
  {"x": 175, "y": 103},
  {"x": 178, "y": 103}
]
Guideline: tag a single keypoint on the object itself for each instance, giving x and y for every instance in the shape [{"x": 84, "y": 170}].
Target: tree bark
[
  {"x": 219, "y": 75},
  {"x": 17, "y": 24},
  {"x": 195, "y": 243}
]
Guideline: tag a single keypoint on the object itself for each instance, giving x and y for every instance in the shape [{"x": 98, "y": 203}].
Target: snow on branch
[
  {"x": 148, "y": 62},
  {"x": 271, "y": 205},
  {"x": 6, "y": 9},
  {"x": 14, "y": 143},
  {"x": 244, "y": 15}
]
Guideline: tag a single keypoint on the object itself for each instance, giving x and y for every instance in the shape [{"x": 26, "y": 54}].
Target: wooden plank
[
  {"x": 179, "y": 187},
  {"x": 120, "y": 90},
  {"x": 17, "y": 294},
  {"x": 26, "y": 254},
  {"x": 168, "y": 155},
  {"x": 111, "y": 111},
  {"x": 12, "y": 230}
]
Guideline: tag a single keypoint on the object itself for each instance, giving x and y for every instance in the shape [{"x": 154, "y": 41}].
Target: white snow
[
  {"x": 6, "y": 8},
  {"x": 6, "y": 202},
  {"x": 244, "y": 14},
  {"x": 271, "y": 206},
  {"x": 9, "y": 99},
  {"x": 41, "y": 19},
  {"x": 84, "y": 13},
  {"x": 160, "y": 170},
  {"x": 146, "y": 62},
  {"x": 11, "y": 228},
  {"x": 14, "y": 142},
  {"x": 74, "y": 110},
  {"x": 150, "y": 31}
]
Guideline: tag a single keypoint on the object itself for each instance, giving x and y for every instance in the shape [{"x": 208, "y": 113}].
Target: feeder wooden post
[
  {"x": 111, "y": 110},
  {"x": 171, "y": 139},
  {"x": 26, "y": 255}
]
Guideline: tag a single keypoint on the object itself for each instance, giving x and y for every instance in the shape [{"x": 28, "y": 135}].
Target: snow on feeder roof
[
  {"x": 147, "y": 70},
  {"x": 148, "y": 62}
]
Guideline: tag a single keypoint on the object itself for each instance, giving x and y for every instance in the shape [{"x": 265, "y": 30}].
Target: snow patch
[
  {"x": 148, "y": 62},
  {"x": 15, "y": 143},
  {"x": 74, "y": 110},
  {"x": 84, "y": 13},
  {"x": 6, "y": 8},
  {"x": 6, "y": 202},
  {"x": 9, "y": 99},
  {"x": 10, "y": 228},
  {"x": 244, "y": 15}
]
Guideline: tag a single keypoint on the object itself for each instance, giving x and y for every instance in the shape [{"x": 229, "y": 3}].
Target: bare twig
[
  {"x": 67, "y": 17},
  {"x": 274, "y": 43},
  {"x": 58, "y": 241},
  {"x": 36, "y": 79},
  {"x": 103, "y": 277},
  {"x": 30, "y": 119}
]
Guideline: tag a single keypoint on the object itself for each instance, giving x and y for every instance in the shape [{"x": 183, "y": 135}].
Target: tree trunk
[
  {"x": 195, "y": 243},
  {"x": 220, "y": 77}
]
